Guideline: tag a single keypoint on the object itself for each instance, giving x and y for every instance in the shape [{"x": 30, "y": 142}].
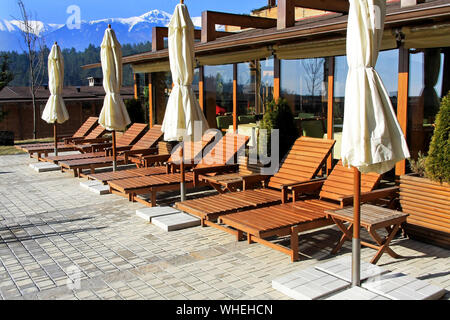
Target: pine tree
[
  {"x": 6, "y": 77},
  {"x": 438, "y": 160}
]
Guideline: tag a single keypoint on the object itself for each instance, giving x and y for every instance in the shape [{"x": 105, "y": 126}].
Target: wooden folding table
[{"x": 372, "y": 219}]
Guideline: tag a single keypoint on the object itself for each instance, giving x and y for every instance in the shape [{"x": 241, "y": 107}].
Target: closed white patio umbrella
[
  {"x": 55, "y": 110},
  {"x": 114, "y": 115},
  {"x": 182, "y": 109},
  {"x": 372, "y": 140}
]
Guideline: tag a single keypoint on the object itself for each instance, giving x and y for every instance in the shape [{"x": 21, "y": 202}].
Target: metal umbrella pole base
[
  {"x": 356, "y": 262},
  {"x": 55, "y": 134},
  {"x": 183, "y": 191}
]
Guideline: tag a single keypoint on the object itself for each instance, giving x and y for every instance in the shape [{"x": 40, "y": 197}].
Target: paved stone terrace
[{"x": 52, "y": 230}]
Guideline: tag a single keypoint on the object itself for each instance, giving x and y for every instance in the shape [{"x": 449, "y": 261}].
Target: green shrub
[
  {"x": 279, "y": 116},
  {"x": 437, "y": 165},
  {"x": 418, "y": 166},
  {"x": 135, "y": 111}
]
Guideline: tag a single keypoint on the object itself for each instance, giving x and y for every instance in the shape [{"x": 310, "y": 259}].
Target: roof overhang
[{"x": 329, "y": 26}]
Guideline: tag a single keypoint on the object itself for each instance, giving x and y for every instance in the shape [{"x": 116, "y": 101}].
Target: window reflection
[
  {"x": 428, "y": 83},
  {"x": 219, "y": 80},
  {"x": 304, "y": 86}
]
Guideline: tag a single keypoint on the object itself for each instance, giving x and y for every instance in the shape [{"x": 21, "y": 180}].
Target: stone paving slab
[
  {"x": 44, "y": 167},
  {"x": 342, "y": 269},
  {"x": 96, "y": 187},
  {"x": 176, "y": 221},
  {"x": 51, "y": 231},
  {"x": 398, "y": 286},
  {"x": 90, "y": 183},
  {"x": 308, "y": 284},
  {"x": 149, "y": 213},
  {"x": 356, "y": 293}
]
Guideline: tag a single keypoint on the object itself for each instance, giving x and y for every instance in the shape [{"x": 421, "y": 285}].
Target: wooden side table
[{"x": 372, "y": 219}]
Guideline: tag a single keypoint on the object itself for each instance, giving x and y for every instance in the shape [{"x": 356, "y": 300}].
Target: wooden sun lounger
[
  {"x": 144, "y": 168},
  {"x": 130, "y": 136},
  {"x": 84, "y": 130},
  {"x": 306, "y": 213},
  {"x": 218, "y": 156},
  {"x": 146, "y": 145},
  {"x": 104, "y": 177},
  {"x": 122, "y": 142},
  {"x": 305, "y": 159},
  {"x": 67, "y": 145},
  {"x": 305, "y": 152}
]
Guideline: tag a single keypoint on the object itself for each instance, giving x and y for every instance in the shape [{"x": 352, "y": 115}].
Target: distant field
[{"x": 11, "y": 150}]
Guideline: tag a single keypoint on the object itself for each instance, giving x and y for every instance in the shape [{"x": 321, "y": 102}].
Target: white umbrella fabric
[
  {"x": 372, "y": 140},
  {"x": 114, "y": 116},
  {"x": 182, "y": 109},
  {"x": 55, "y": 110}
]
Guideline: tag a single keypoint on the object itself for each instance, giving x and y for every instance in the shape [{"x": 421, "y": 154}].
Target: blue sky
[{"x": 51, "y": 11}]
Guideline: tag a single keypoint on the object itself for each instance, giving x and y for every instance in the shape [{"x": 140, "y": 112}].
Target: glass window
[
  {"x": 265, "y": 84},
  {"x": 387, "y": 68},
  {"x": 219, "y": 84},
  {"x": 245, "y": 91},
  {"x": 428, "y": 81},
  {"x": 304, "y": 86},
  {"x": 195, "y": 82}
]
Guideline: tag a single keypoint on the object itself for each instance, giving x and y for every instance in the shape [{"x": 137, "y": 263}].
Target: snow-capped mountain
[{"x": 128, "y": 30}]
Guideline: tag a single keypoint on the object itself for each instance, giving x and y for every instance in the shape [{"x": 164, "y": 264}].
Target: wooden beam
[
  {"x": 136, "y": 78},
  {"x": 402, "y": 100},
  {"x": 340, "y": 6},
  {"x": 212, "y": 18},
  {"x": 286, "y": 9},
  {"x": 150, "y": 100},
  {"x": 276, "y": 79},
  {"x": 158, "y": 34},
  {"x": 201, "y": 88},
  {"x": 330, "y": 108},
  {"x": 296, "y": 34},
  {"x": 286, "y": 14},
  {"x": 161, "y": 33},
  {"x": 235, "y": 88}
]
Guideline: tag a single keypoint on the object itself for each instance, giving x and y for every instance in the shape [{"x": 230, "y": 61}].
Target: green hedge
[
  {"x": 437, "y": 165},
  {"x": 279, "y": 116}
]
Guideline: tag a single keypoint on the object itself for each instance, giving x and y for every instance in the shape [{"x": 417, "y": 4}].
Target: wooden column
[
  {"x": 402, "y": 101},
  {"x": 136, "y": 78},
  {"x": 276, "y": 79},
  {"x": 201, "y": 88},
  {"x": 150, "y": 100},
  {"x": 286, "y": 14},
  {"x": 235, "y": 71},
  {"x": 330, "y": 107}
]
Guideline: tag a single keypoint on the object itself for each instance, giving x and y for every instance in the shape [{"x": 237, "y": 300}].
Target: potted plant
[
  {"x": 279, "y": 116},
  {"x": 425, "y": 194}
]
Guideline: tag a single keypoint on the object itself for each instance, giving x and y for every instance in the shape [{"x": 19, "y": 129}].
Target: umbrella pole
[
  {"x": 182, "y": 171},
  {"x": 356, "y": 241},
  {"x": 114, "y": 150},
  {"x": 55, "y": 134}
]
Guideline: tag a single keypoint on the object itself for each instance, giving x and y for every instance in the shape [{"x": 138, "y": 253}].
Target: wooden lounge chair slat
[
  {"x": 147, "y": 184},
  {"x": 304, "y": 214},
  {"x": 271, "y": 195}
]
